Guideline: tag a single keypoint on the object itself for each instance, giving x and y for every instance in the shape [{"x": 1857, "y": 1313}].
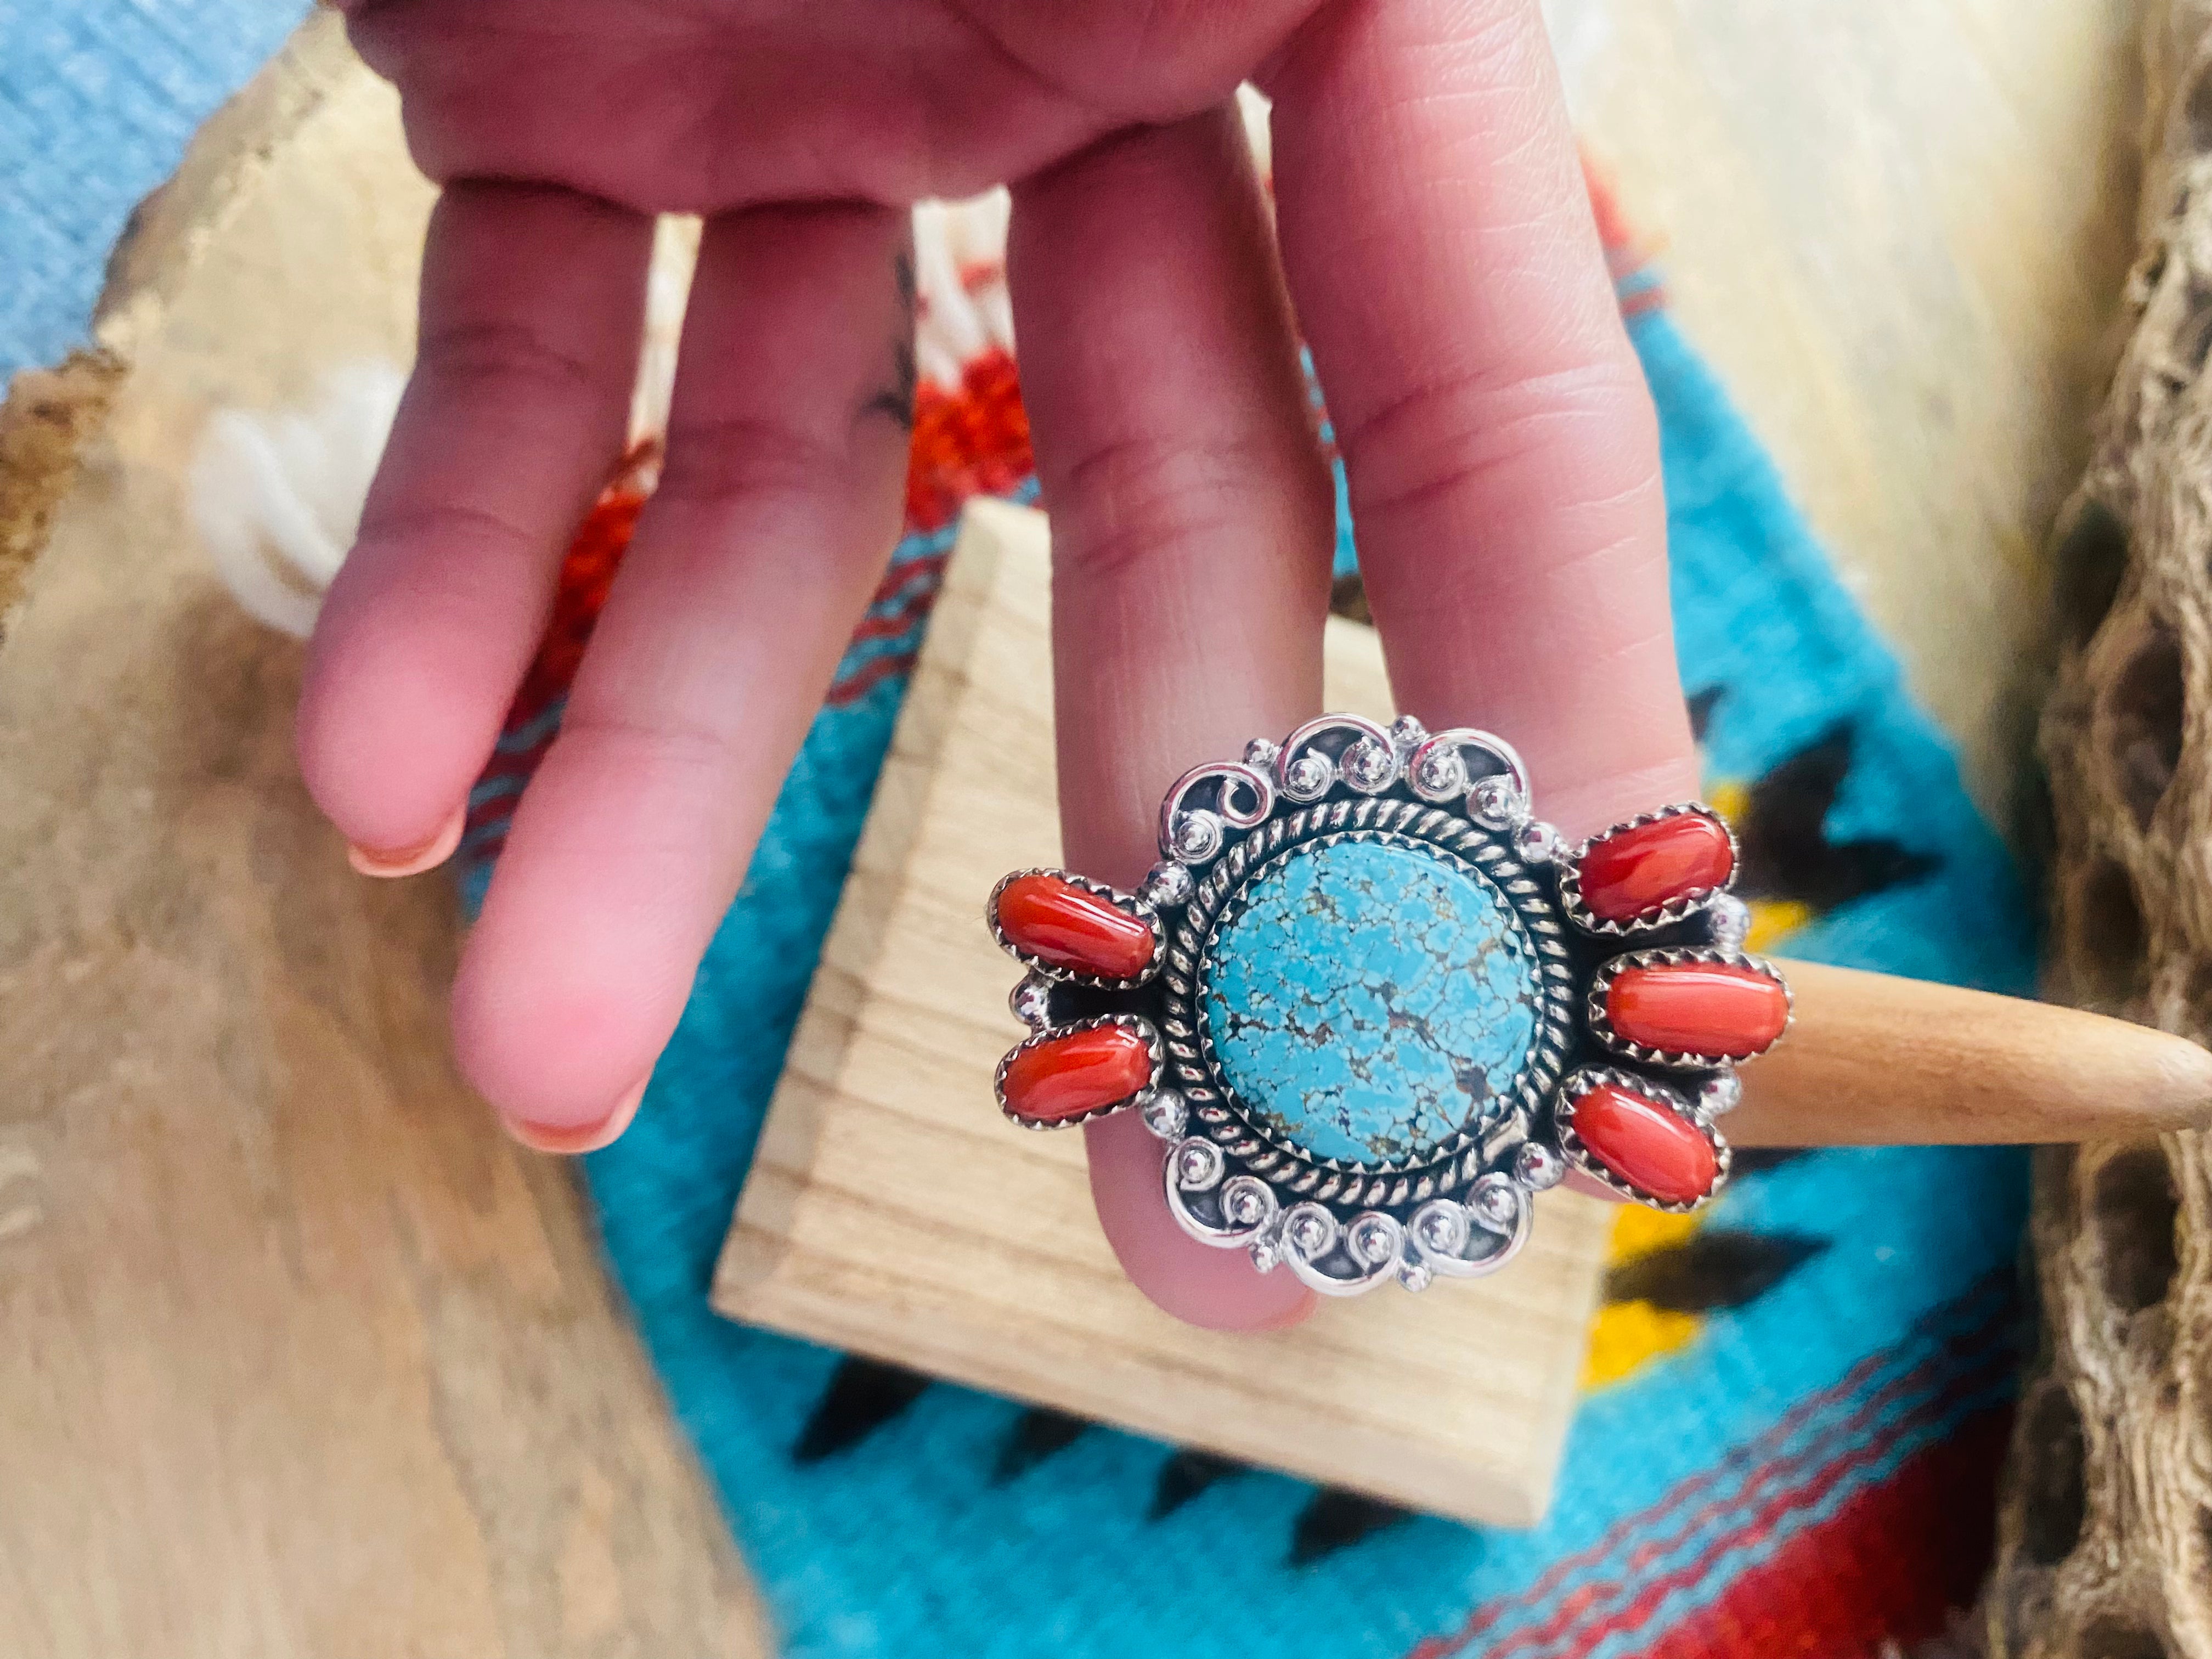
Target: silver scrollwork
[
  {"x": 1341, "y": 1258},
  {"x": 1238, "y": 1211},
  {"x": 1467, "y": 1241},
  {"x": 1347, "y": 747},
  {"x": 1438, "y": 769},
  {"x": 1232, "y": 795}
]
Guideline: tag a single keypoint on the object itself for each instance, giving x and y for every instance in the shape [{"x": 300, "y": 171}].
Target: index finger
[{"x": 1499, "y": 443}]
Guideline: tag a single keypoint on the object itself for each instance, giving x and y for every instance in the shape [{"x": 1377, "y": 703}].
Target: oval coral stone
[
  {"x": 1056, "y": 922},
  {"x": 1068, "y": 1076},
  {"x": 1718, "y": 1011},
  {"x": 1654, "y": 1149},
  {"x": 1630, "y": 871}
]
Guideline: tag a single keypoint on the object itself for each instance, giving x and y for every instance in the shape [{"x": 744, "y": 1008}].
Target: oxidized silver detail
[
  {"x": 1241, "y": 796},
  {"x": 1719, "y": 1094},
  {"x": 1031, "y": 1002},
  {"x": 1169, "y": 883},
  {"x": 1460, "y": 1207},
  {"x": 1165, "y": 1114},
  {"x": 1537, "y": 1167},
  {"x": 1495, "y": 804},
  {"x": 1729, "y": 919}
]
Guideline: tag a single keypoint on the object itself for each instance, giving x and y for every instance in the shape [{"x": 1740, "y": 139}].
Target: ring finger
[{"x": 1193, "y": 521}]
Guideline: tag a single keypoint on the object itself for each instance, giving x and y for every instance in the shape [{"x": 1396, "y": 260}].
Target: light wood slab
[
  {"x": 299, "y": 1358},
  {"x": 891, "y": 1209},
  {"x": 1897, "y": 229}
]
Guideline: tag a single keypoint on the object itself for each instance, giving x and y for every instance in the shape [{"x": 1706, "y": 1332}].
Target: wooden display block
[{"x": 892, "y": 1210}]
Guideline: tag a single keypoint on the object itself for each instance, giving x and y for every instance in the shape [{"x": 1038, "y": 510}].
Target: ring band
[{"x": 1374, "y": 1004}]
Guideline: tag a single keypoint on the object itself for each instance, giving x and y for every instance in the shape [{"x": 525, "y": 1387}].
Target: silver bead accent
[
  {"x": 1537, "y": 1167},
  {"x": 1197, "y": 1165},
  {"x": 1407, "y": 733},
  {"x": 1168, "y": 885},
  {"x": 1439, "y": 775},
  {"x": 1373, "y": 1239},
  {"x": 1197, "y": 837},
  {"x": 1719, "y": 1095},
  {"x": 1308, "y": 778},
  {"x": 1537, "y": 842},
  {"x": 1031, "y": 1002},
  {"x": 1497, "y": 1201},
  {"x": 1165, "y": 1114},
  {"x": 1729, "y": 918},
  {"x": 1261, "y": 753},
  {"x": 1267, "y": 1253},
  {"x": 1369, "y": 766},
  {"x": 1495, "y": 804},
  {"x": 1440, "y": 1226},
  {"x": 1244, "y": 1202},
  {"x": 1310, "y": 1230},
  {"x": 1416, "y": 1275}
]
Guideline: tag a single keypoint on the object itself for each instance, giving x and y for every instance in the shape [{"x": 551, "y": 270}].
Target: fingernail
[
  {"x": 411, "y": 860},
  {"x": 569, "y": 1139}
]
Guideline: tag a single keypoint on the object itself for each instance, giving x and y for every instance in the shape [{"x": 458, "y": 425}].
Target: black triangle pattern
[
  {"x": 862, "y": 1396},
  {"x": 1714, "y": 1268},
  {"x": 1786, "y": 852},
  {"x": 1185, "y": 1475},
  {"x": 1334, "y": 1519},
  {"x": 1037, "y": 1434}
]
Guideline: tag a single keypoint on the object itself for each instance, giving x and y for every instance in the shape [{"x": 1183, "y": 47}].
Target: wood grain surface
[
  {"x": 299, "y": 1356},
  {"x": 891, "y": 1209},
  {"x": 1877, "y": 1061},
  {"x": 1897, "y": 229}
]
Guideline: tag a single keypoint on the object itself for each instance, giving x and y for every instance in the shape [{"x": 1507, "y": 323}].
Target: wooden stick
[{"x": 1875, "y": 1061}]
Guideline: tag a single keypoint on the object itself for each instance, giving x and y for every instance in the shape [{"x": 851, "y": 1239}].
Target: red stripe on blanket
[
  {"x": 1892, "y": 1566},
  {"x": 1561, "y": 1638},
  {"x": 1691, "y": 1504}
]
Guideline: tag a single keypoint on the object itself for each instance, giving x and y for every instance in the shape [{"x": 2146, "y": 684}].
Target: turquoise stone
[{"x": 1365, "y": 1001}]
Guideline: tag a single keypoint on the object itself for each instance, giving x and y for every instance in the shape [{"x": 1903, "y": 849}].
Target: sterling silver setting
[{"x": 1460, "y": 1204}]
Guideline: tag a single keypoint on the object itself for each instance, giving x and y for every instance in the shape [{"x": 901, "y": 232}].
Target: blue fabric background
[{"x": 97, "y": 99}]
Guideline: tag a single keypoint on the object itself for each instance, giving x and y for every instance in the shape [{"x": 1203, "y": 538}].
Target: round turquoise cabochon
[{"x": 1367, "y": 1000}]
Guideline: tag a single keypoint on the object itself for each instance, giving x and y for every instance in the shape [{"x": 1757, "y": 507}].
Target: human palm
[{"x": 1430, "y": 236}]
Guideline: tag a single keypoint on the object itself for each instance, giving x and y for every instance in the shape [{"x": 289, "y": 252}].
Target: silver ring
[{"x": 1373, "y": 1004}]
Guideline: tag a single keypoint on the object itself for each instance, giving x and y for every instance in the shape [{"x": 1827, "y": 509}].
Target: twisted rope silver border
[{"x": 1297, "y": 1175}]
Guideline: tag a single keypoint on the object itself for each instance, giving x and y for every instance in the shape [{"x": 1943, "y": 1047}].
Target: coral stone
[
  {"x": 1653, "y": 1148},
  {"x": 1065, "y": 1077},
  {"x": 1631, "y": 871},
  {"x": 1053, "y": 919},
  {"x": 1717, "y": 1011},
  {"x": 1367, "y": 1000}
]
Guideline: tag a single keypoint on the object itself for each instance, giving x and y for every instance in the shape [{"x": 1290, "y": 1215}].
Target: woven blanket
[
  {"x": 1794, "y": 1403},
  {"x": 96, "y": 103}
]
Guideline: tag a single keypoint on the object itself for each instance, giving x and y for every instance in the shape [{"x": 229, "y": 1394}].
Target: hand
[{"x": 1434, "y": 237}]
